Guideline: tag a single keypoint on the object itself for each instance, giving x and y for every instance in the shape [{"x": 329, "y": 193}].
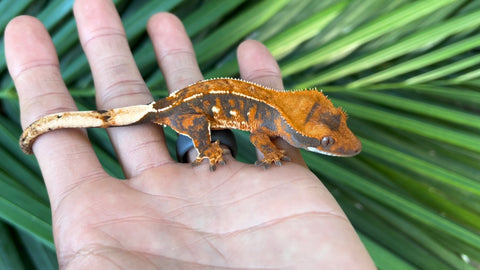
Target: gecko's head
[
  {"x": 324, "y": 129},
  {"x": 333, "y": 137}
]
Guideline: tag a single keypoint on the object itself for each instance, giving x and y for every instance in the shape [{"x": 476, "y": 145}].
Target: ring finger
[{"x": 175, "y": 54}]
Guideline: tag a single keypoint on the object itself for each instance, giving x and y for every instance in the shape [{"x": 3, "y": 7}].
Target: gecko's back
[{"x": 228, "y": 103}]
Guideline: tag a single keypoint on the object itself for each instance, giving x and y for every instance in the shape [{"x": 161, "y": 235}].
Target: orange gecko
[{"x": 305, "y": 119}]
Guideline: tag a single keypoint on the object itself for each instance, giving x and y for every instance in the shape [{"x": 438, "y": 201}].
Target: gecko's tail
[{"x": 83, "y": 119}]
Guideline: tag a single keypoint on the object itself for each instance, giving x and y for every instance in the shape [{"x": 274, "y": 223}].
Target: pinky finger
[{"x": 65, "y": 156}]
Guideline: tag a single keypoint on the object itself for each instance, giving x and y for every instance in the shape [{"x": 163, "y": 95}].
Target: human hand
[{"x": 166, "y": 214}]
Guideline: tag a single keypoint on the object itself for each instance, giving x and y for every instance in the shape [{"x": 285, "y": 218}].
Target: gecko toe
[
  {"x": 262, "y": 164},
  {"x": 197, "y": 162}
]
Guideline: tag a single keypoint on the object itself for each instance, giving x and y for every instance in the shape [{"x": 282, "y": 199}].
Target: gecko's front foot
[
  {"x": 214, "y": 154},
  {"x": 275, "y": 157}
]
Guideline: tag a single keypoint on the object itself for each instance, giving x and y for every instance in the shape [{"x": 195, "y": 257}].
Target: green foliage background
[{"x": 407, "y": 72}]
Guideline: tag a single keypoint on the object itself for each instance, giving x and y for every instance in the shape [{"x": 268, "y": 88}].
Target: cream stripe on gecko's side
[{"x": 84, "y": 119}]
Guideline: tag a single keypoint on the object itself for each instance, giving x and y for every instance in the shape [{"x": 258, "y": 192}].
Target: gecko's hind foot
[{"x": 214, "y": 154}]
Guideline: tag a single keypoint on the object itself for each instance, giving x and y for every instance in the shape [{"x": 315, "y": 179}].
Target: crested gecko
[{"x": 304, "y": 118}]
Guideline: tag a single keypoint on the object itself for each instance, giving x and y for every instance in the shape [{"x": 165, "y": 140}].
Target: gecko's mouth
[
  {"x": 339, "y": 153},
  {"x": 351, "y": 153}
]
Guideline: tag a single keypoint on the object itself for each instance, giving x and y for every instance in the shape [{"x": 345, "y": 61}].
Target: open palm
[{"x": 167, "y": 215}]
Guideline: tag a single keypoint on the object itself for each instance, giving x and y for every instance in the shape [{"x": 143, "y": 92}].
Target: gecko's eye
[{"x": 327, "y": 141}]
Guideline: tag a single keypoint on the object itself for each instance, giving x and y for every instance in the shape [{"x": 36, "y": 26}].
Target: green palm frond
[{"x": 407, "y": 73}]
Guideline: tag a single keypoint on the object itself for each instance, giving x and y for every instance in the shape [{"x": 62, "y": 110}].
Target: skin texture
[{"x": 167, "y": 215}]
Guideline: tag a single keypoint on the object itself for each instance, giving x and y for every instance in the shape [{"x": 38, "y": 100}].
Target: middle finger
[{"x": 118, "y": 83}]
